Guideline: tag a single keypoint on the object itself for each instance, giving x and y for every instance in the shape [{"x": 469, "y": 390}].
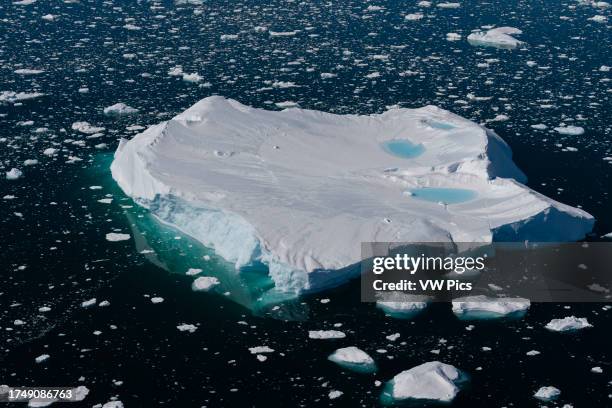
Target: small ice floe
[
  {"x": 599, "y": 19},
  {"x": 204, "y": 283},
  {"x": 533, "y": 353},
  {"x": 14, "y": 174},
  {"x": 261, "y": 350},
  {"x": 41, "y": 358},
  {"x": 49, "y": 17},
  {"x": 539, "y": 126},
  {"x": 448, "y": 5},
  {"x": 105, "y": 200},
  {"x": 187, "y": 327},
  {"x": 326, "y": 334},
  {"x": 453, "y": 37},
  {"x": 119, "y": 109},
  {"x": 88, "y": 303},
  {"x": 354, "y": 359},
  {"x": 548, "y": 393},
  {"x": 104, "y": 303},
  {"x": 570, "y": 323},
  {"x": 30, "y": 162},
  {"x": 157, "y": 299},
  {"x": 27, "y": 71},
  {"x": 431, "y": 381},
  {"x": 597, "y": 370},
  {"x": 193, "y": 271},
  {"x": 413, "y": 16},
  {"x": 15, "y": 97},
  {"x": 113, "y": 404},
  {"x": 86, "y": 128},
  {"x": 286, "y": 104},
  {"x": 193, "y": 77},
  {"x": 327, "y": 75},
  {"x": 483, "y": 307},
  {"x": 50, "y": 151},
  {"x": 402, "y": 306},
  {"x": 570, "y": 130},
  {"x": 333, "y": 394},
  {"x": 393, "y": 337},
  {"x": 500, "y": 37},
  {"x": 114, "y": 237}
]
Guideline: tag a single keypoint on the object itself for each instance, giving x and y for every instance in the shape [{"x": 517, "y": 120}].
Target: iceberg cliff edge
[{"x": 299, "y": 190}]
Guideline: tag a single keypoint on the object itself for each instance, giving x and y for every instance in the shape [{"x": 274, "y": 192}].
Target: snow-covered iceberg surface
[
  {"x": 431, "y": 381},
  {"x": 570, "y": 323},
  {"x": 500, "y": 37},
  {"x": 299, "y": 190},
  {"x": 483, "y": 307}
]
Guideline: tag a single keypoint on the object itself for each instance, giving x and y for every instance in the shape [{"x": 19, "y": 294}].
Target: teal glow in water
[
  {"x": 446, "y": 195},
  {"x": 403, "y": 148}
]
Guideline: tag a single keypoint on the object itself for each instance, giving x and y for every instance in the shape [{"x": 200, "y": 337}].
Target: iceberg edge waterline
[{"x": 299, "y": 190}]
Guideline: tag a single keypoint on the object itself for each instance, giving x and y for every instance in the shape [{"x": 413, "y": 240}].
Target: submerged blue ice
[
  {"x": 403, "y": 148},
  {"x": 446, "y": 195}
]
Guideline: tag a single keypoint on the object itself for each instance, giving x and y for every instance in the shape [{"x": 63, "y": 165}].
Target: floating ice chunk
[
  {"x": 570, "y": 323},
  {"x": 26, "y": 71},
  {"x": 119, "y": 109},
  {"x": 193, "y": 271},
  {"x": 413, "y": 16},
  {"x": 483, "y": 307},
  {"x": 49, "y": 17},
  {"x": 353, "y": 359},
  {"x": 14, "y": 174},
  {"x": 570, "y": 130},
  {"x": 113, "y": 404},
  {"x": 599, "y": 19},
  {"x": 533, "y": 353},
  {"x": 204, "y": 283},
  {"x": 187, "y": 327},
  {"x": 193, "y": 77},
  {"x": 114, "y": 237},
  {"x": 500, "y": 37},
  {"x": 157, "y": 299},
  {"x": 453, "y": 37},
  {"x": 89, "y": 303},
  {"x": 30, "y": 162},
  {"x": 333, "y": 394},
  {"x": 14, "y": 97},
  {"x": 86, "y": 128},
  {"x": 326, "y": 334},
  {"x": 41, "y": 358},
  {"x": 403, "y": 306},
  {"x": 448, "y": 5},
  {"x": 597, "y": 370},
  {"x": 431, "y": 381},
  {"x": 548, "y": 393},
  {"x": 539, "y": 126},
  {"x": 261, "y": 349}
]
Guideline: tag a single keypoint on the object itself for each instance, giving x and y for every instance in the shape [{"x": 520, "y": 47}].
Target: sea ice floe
[
  {"x": 251, "y": 207},
  {"x": 570, "y": 130},
  {"x": 14, "y": 174},
  {"x": 86, "y": 128},
  {"x": 204, "y": 283},
  {"x": 570, "y": 323},
  {"x": 403, "y": 306},
  {"x": 114, "y": 237},
  {"x": 261, "y": 349},
  {"x": 41, "y": 358},
  {"x": 89, "y": 302},
  {"x": 120, "y": 109},
  {"x": 326, "y": 334},
  {"x": 483, "y": 307},
  {"x": 500, "y": 37},
  {"x": 187, "y": 327},
  {"x": 333, "y": 394},
  {"x": 157, "y": 299},
  {"x": 431, "y": 381},
  {"x": 547, "y": 394},
  {"x": 14, "y": 97},
  {"x": 353, "y": 359}
]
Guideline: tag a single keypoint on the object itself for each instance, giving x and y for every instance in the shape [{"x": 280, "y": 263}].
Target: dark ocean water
[{"x": 52, "y": 226}]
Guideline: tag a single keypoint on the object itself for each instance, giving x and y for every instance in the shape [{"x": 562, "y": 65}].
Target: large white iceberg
[
  {"x": 353, "y": 358},
  {"x": 299, "y": 190}
]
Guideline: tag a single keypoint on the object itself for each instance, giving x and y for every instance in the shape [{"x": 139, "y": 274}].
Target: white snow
[
  {"x": 114, "y": 237},
  {"x": 353, "y": 358},
  {"x": 326, "y": 334},
  {"x": 299, "y": 190},
  {"x": 569, "y": 323},
  {"x": 429, "y": 381},
  {"x": 500, "y": 37},
  {"x": 260, "y": 350},
  {"x": 335, "y": 394},
  {"x": 547, "y": 393},
  {"x": 483, "y": 306},
  {"x": 119, "y": 109}
]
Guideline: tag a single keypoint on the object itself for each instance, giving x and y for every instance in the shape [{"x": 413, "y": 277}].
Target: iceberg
[
  {"x": 354, "y": 359},
  {"x": 431, "y": 381},
  {"x": 570, "y": 323},
  {"x": 500, "y": 37},
  {"x": 483, "y": 307},
  {"x": 402, "y": 306},
  {"x": 299, "y": 190},
  {"x": 547, "y": 394}
]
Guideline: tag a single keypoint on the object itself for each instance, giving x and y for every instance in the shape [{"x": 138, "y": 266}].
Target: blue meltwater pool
[
  {"x": 446, "y": 195},
  {"x": 403, "y": 148}
]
